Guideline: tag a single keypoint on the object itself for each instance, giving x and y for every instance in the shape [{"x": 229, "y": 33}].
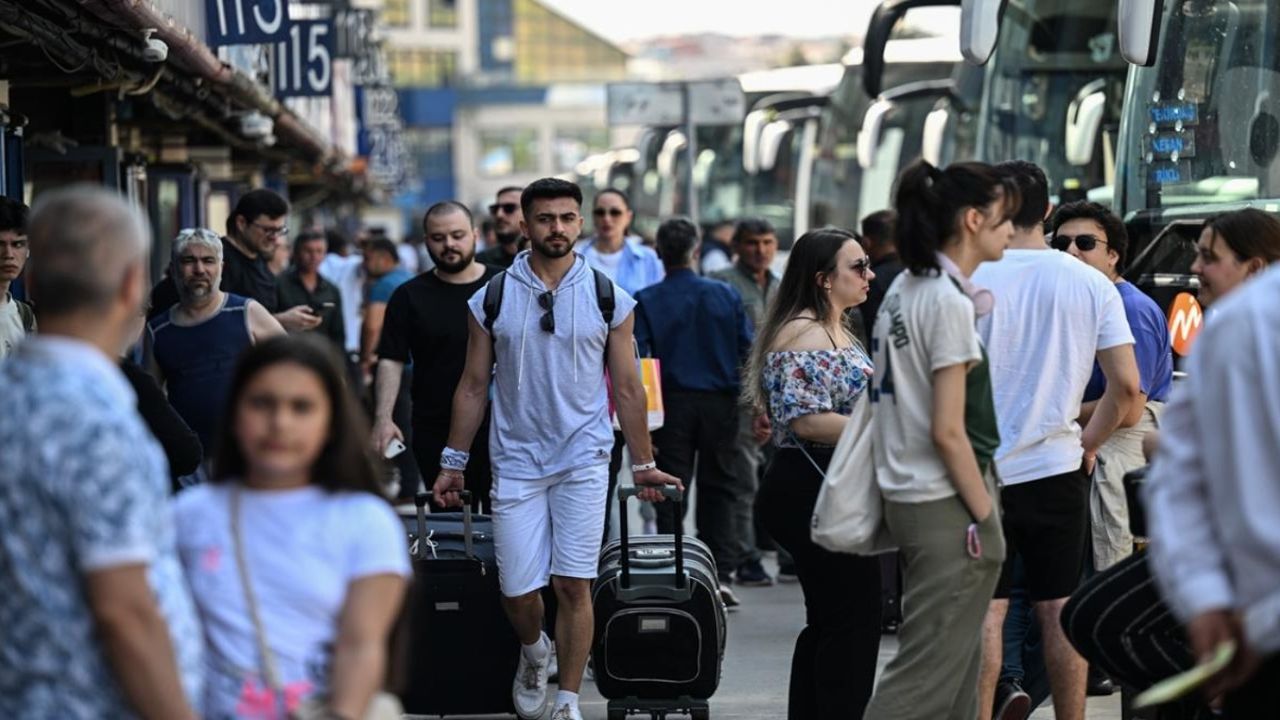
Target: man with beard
[
  {"x": 198, "y": 341},
  {"x": 254, "y": 230},
  {"x": 543, "y": 326},
  {"x": 426, "y": 325},
  {"x": 507, "y": 217}
]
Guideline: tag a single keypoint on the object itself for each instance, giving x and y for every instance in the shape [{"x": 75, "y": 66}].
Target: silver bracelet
[
  {"x": 644, "y": 467},
  {"x": 452, "y": 459}
]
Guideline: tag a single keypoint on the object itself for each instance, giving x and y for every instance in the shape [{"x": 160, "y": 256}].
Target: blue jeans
[{"x": 1023, "y": 649}]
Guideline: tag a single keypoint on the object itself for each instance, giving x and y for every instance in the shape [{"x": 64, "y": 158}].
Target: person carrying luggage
[{"x": 544, "y": 334}]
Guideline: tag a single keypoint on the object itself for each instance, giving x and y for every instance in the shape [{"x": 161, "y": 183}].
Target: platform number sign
[
  {"x": 302, "y": 64},
  {"x": 246, "y": 22}
]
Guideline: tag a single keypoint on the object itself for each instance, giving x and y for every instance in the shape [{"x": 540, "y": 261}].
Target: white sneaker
[
  {"x": 529, "y": 691},
  {"x": 553, "y": 664},
  {"x": 566, "y": 712}
]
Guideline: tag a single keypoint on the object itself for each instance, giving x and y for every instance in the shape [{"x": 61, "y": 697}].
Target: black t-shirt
[
  {"x": 426, "y": 324},
  {"x": 241, "y": 275}
]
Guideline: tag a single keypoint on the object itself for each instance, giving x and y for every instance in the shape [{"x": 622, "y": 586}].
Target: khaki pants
[
  {"x": 934, "y": 676},
  {"x": 1108, "y": 507}
]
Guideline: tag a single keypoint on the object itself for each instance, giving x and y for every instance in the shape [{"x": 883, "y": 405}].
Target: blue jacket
[
  {"x": 697, "y": 328},
  {"x": 639, "y": 268}
]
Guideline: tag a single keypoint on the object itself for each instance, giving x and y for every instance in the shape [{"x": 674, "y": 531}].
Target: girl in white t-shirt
[
  {"x": 807, "y": 371},
  {"x": 295, "y": 509},
  {"x": 935, "y": 435}
]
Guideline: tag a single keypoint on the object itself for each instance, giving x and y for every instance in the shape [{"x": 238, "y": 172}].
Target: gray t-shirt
[{"x": 550, "y": 400}]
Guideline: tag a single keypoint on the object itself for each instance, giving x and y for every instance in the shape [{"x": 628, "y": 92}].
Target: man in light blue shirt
[{"x": 97, "y": 620}]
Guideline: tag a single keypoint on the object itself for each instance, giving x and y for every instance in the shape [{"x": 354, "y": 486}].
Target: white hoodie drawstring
[
  {"x": 574, "y": 319},
  {"x": 524, "y": 333}
]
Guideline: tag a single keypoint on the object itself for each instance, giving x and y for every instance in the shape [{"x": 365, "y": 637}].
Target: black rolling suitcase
[
  {"x": 660, "y": 623},
  {"x": 461, "y": 652}
]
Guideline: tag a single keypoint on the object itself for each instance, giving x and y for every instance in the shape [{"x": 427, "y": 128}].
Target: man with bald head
[
  {"x": 97, "y": 618},
  {"x": 426, "y": 323}
]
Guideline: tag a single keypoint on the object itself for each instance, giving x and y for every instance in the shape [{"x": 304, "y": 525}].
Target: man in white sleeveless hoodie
[
  {"x": 550, "y": 436},
  {"x": 1053, "y": 316}
]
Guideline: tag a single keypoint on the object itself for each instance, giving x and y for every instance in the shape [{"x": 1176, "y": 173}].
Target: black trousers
[
  {"x": 1119, "y": 623},
  {"x": 699, "y": 440},
  {"x": 834, "y": 665},
  {"x": 1259, "y": 699}
]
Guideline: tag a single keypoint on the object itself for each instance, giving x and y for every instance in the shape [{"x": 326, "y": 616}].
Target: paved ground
[{"x": 758, "y": 655}]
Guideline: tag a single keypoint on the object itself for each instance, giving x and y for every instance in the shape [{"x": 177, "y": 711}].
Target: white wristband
[{"x": 644, "y": 467}]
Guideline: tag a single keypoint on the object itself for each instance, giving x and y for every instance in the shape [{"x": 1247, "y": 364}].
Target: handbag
[
  {"x": 848, "y": 516},
  {"x": 382, "y": 706},
  {"x": 650, "y": 372}
]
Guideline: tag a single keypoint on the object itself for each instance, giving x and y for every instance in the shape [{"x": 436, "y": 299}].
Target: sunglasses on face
[
  {"x": 547, "y": 301},
  {"x": 506, "y": 208},
  {"x": 1084, "y": 242},
  {"x": 611, "y": 212},
  {"x": 861, "y": 266}
]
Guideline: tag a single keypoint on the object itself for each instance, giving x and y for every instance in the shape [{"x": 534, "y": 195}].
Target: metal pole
[{"x": 691, "y": 149}]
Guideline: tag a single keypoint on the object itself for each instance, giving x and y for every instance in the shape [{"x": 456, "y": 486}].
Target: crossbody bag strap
[{"x": 265, "y": 656}]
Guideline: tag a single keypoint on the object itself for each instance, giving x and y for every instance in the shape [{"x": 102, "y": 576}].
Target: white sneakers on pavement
[
  {"x": 566, "y": 712},
  {"x": 529, "y": 691}
]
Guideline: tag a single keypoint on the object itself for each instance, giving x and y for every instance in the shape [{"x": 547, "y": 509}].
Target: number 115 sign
[{"x": 246, "y": 22}]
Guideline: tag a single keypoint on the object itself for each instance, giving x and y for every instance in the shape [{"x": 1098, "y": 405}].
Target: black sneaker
[
  {"x": 752, "y": 574},
  {"x": 1012, "y": 702},
  {"x": 787, "y": 573},
  {"x": 731, "y": 601},
  {"x": 1099, "y": 684}
]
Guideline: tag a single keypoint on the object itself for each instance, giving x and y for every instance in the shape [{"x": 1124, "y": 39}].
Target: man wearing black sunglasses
[
  {"x": 507, "y": 216},
  {"x": 1052, "y": 317},
  {"x": 1095, "y": 236}
]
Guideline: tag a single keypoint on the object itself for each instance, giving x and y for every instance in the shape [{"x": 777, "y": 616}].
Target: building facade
[{"x": 494, "y": 93}]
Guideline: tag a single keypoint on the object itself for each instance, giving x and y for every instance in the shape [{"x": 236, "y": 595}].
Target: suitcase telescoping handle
[
  {"x": 673, "y": 494},
  {"x": 421, "y": 500}
]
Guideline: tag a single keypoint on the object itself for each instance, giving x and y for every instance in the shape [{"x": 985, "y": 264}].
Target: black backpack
[{"x": 493, "y": 299}]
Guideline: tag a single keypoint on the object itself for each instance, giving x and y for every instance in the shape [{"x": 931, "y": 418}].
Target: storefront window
[{"x": 508, "y": 151}]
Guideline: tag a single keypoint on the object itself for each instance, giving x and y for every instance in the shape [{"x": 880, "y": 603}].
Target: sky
[{"x": 620, "y": 20}]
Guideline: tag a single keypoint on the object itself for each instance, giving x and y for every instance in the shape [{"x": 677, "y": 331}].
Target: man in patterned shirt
[{"x": 95, "y": 615}]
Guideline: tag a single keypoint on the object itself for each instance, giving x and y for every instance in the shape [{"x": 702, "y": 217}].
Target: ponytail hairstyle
[
  {"x": 930, "y": 201},
  {"x": 813, "y": 254}
]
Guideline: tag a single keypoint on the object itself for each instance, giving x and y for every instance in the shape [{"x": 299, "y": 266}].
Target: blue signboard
[
  {"x": 302, "y": 64},
  {"x": 246, "y": 22}
]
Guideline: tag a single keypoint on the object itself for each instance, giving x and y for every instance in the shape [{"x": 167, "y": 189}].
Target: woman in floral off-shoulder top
[{"x": 806, "y": 370}]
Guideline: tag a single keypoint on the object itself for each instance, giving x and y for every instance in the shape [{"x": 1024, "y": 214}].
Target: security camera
[
  {"x": 154, "y": 50},
  {"x": 255, "y": 125}
]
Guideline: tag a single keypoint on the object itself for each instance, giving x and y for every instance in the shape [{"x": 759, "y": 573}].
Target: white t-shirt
[
  {"x": 925, "y": 323},
  {"x": 348, "y": 274},
  {"x": 606, "y": 263},
  {"x": 303, "y": 548},
  {"x": 1053, "y": 314},
  {"x": 11, "y": 330}
]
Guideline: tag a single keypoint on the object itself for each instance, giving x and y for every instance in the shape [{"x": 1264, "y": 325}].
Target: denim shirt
[{"x": 639, "y": 268}]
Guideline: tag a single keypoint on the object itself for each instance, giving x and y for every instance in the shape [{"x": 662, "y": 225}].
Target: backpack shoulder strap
[
  {"x": 493, "y": 299},
  {"x": 605, "y": 299},
  {"x": 28, "y": 317}
]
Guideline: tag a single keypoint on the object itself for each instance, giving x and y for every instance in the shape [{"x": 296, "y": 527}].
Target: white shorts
[{"x": 546, "y": 527}]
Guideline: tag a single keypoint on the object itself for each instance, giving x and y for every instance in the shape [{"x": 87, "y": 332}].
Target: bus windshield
[
  {"x": 1049, "y": 54},
  {"x": 1203, "y": 123}
]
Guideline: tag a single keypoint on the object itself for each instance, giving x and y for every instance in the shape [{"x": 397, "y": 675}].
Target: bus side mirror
[
  {"x": 934, "y": 136},
  {"x": 979, "y": 29},
  {"x": 1139, "y": 22}
]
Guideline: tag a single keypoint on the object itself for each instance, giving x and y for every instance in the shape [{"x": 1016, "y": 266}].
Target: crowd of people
[{"x": 196, "y": 503}]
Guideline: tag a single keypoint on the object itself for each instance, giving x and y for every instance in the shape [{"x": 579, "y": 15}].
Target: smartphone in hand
[{"x": 394, "y": 448}]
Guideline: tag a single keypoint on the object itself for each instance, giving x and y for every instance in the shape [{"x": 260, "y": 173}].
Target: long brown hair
[
  {"x": 1250, "y": 233},
  {"x": 813, "y": 254},
  {"x": 345, "y": 462}
]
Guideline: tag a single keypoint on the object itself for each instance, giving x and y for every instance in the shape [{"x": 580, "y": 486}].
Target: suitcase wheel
[{"x": 700, "y": 714}]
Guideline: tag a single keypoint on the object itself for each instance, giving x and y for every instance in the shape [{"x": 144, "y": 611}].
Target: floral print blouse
[{"x": 810, "y": 382}]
